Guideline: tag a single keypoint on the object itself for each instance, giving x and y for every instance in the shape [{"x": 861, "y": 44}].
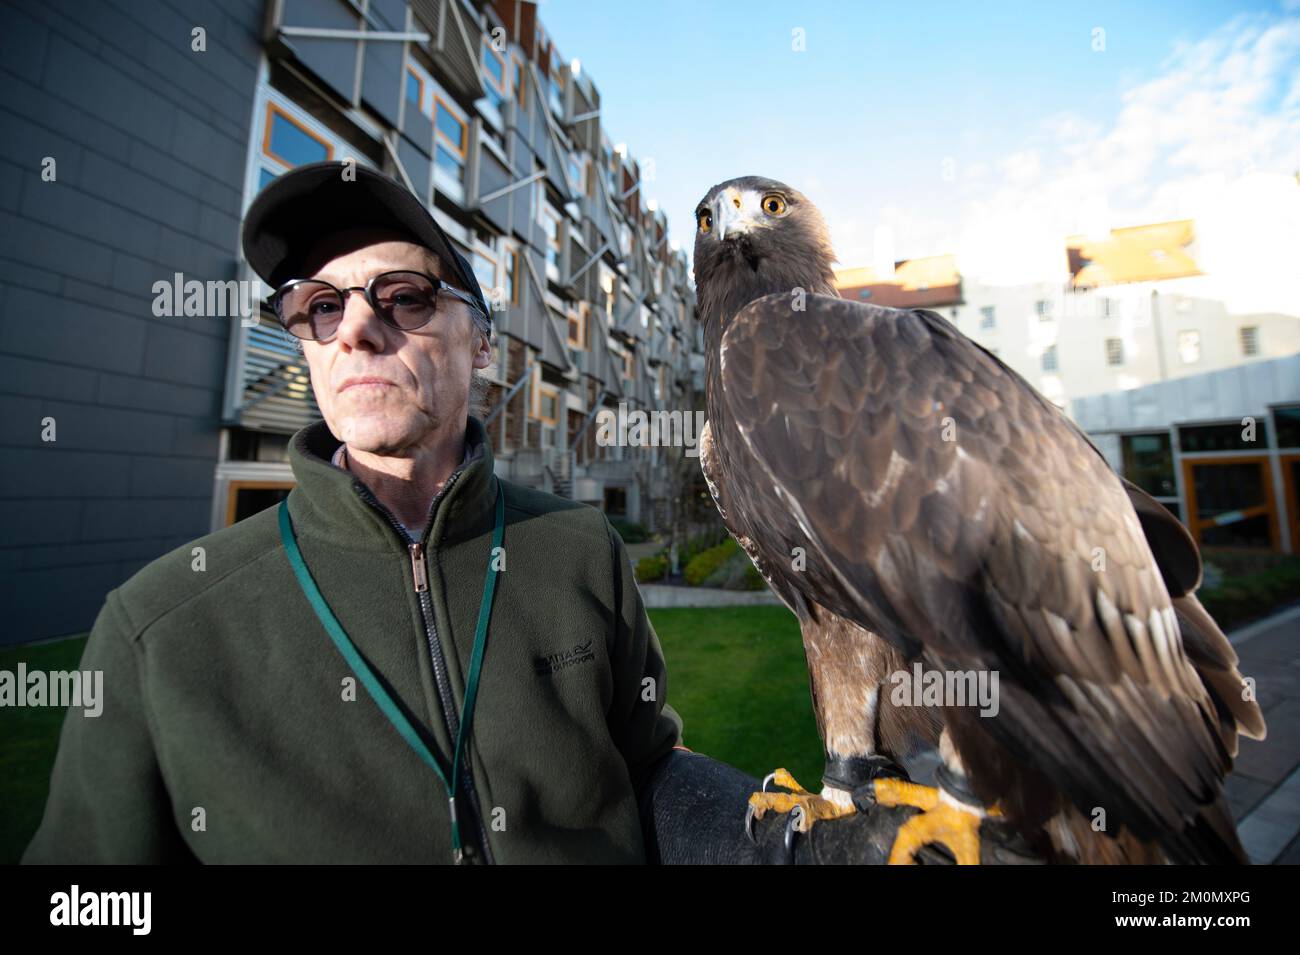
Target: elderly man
[{"x": 410, "y": 660}]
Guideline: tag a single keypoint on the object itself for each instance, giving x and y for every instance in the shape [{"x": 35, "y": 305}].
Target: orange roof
[
  {"x": 916, "y": 283},
  {"x": 1141, "y": 253},
  {"x": 910, "y": 275}
]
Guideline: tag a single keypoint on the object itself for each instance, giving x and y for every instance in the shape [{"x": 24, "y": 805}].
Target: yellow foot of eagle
[
  {"x": 943, "y": 820},
  {"x": 805, "y": 808}
]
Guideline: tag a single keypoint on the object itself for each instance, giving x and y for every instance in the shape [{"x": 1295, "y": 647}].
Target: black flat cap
[{"x": 308, "y": 202}]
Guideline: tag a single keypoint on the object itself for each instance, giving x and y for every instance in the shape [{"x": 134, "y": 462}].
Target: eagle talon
[
  {"x": 942, "y": 821},
  {"x": 794, "y": 824},
  {"x": 804, "y": 808}
]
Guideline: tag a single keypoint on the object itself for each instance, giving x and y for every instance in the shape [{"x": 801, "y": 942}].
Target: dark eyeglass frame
[{"x": 277, "y": 297}]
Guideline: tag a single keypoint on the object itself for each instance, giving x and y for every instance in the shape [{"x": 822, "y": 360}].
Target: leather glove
[{"x": 693, "y": 812}]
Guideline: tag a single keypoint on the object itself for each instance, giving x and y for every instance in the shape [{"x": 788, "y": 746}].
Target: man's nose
[{"x": 359, "y": 322}]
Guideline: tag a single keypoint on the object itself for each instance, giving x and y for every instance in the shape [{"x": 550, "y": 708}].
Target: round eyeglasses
[{"x": 313, "y": 310}]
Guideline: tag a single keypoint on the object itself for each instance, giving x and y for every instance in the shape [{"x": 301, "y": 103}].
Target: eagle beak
[{"x": 729, "y": 216}]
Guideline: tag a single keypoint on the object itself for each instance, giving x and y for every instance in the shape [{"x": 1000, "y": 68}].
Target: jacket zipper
[{"x": 419, "y": 568}]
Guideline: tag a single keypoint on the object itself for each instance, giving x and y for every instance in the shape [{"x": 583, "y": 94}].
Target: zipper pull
[{"x": 418, "y": 569}]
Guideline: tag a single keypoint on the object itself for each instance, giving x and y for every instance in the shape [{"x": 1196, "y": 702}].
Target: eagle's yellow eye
[
  {"x": 706, "y": 222},
  {"x": 774, "y": 204}
]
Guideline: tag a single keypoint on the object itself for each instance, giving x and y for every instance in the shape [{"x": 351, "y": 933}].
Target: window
[
  {"x": 556, "y": 84},
  {"x": 988, "y": 317},
  {"x": 576, "y": 178},
  {"x": 290, "y": 141},
  {"x": 414, "y": 88},
  {"x": 1223, "y": 437},
  {"x": 1249, "y": 337},
  {"x": 548, "y": 404},
  {"x": 449, "y": 141},
  {"x": 1108, "y": 308},
  {"x": 578, "y": 327},
  {"x": 494, "y": 71},
  {"x": 1043, "y": 308},
  {"x": 1189, "y": 347},
  {"x": 1114, "y": 351},
  {"x": 551, "y": 226},
  {"x": 485, "y": 270},
  {"x": 519, "y": 83},
  {"x": 607, "y": 291},
  {"x": 512, "y": 276},
  {"x": 629, "y": 365},
  {"x": 421, "y": 90},
  {"x": 1288, "y": 426},
  {"x": 1148, "y": 461},
  {"x": 1049, "y": 358}
]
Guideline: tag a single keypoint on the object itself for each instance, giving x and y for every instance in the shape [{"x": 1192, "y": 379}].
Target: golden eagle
[{"x": 915, "y": 501}]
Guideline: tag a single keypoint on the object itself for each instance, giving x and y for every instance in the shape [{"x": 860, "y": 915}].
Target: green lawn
[
  {"x": 31, "y": 736},
  {"x": 735, "y": 674},
  {"x": 737, "y": 677}
]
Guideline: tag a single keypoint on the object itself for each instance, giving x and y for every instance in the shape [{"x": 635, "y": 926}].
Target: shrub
[
  {"x": 650, "y": 569},
  {"x": 1240, "y": 597},
  {"x": 630, "y": 531},
  {"x": 706, "y": 562},
  {"x": 738, "y": 573}
]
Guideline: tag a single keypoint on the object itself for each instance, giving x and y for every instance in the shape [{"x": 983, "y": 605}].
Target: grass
[
  {"x": 737, "y": 677},
  {"x": 735, "y": 674},
  {"x": 31, "y": 736}
]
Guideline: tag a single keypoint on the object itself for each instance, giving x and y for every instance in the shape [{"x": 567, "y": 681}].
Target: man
[{"x": 235, "y": 730}]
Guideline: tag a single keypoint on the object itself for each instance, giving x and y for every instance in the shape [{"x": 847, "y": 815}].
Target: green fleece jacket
[{"x": 230, "y": 730}]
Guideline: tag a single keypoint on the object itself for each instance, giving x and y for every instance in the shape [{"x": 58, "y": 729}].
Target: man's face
[{"x": 423, "y": 375}]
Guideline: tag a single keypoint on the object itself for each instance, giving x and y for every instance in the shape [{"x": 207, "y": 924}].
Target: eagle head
[{"x": 755, "y": 236}]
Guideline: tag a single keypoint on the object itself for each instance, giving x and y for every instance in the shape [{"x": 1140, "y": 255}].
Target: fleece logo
[{"x": 563, "y": 659}]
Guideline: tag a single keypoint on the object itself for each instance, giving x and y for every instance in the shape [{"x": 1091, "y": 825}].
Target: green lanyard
[{"x": 371, "y": 682}]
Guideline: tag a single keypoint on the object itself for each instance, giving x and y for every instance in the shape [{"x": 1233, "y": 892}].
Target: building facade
[
  {"x": 1125, "y": 311},
  {"x": 1221, "y": 450},
  {"x": 136, "y": 139}
]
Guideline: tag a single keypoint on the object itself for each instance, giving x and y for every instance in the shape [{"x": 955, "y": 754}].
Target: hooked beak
[{"x": 729, "y": 216}]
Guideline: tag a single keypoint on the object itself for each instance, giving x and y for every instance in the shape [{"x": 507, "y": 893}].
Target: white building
[
  {"x": 1221, "y": 449},
  {"x": 1124, "y": 312}
]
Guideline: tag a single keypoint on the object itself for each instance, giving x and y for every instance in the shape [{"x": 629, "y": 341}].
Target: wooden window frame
[
  {"x": 410, "y": 70},
  {"x": 236, "y": 485},
  {"x": 578, "y": 316},
  {"x": 1269, "y": 508},
  {"x": 272, "y": 107},
  {"x": 461, "y": 150}
]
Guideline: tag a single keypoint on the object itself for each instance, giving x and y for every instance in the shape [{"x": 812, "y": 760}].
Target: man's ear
[{"x": 483, "y": 354}]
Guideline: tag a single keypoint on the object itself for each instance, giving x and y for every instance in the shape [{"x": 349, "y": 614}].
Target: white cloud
[{"x": 1215, "y": 135}]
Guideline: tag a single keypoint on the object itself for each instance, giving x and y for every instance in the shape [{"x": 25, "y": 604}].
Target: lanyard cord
[{"x": 371, "y": 682}]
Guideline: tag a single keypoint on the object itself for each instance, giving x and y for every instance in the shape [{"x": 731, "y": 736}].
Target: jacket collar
[{"x": 336, "y": 505}]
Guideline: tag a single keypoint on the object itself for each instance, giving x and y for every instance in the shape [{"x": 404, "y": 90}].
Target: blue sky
[{"x": 915, "y": 116}]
